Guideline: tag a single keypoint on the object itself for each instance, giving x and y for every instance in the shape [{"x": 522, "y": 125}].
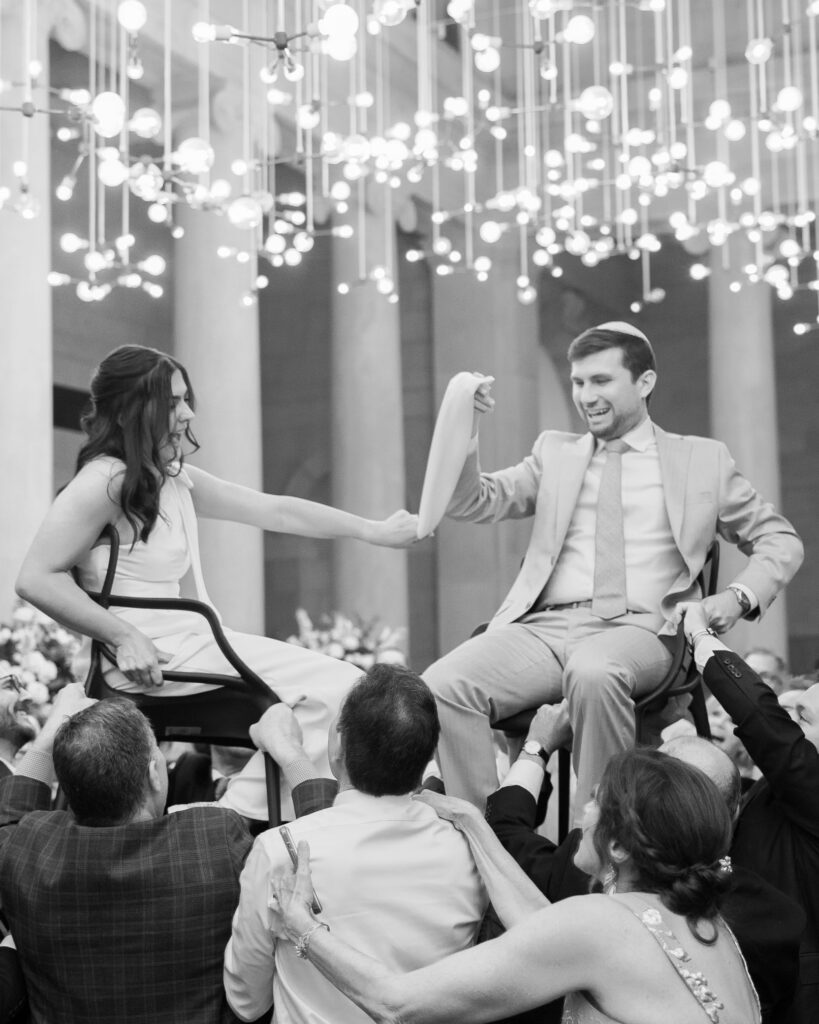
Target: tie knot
[{"x": 617, "y": 445}]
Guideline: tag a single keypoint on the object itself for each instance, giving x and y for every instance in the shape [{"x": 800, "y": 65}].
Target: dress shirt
[
  {"x": 394, "y": 881},
  {"x": 653, "y": 561}
]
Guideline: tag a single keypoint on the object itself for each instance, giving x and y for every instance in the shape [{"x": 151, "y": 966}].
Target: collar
[
  {"x": 641, "y": 438},
  {"x": 354, "y": 798},
  {"x": 8, "y": 765}
]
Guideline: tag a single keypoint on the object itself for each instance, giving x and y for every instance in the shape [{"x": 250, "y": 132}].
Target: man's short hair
[
  {"x": 101, "y": 758},
  {"x": 637, "y": 353},
  {"x": 389, "y": 729}
]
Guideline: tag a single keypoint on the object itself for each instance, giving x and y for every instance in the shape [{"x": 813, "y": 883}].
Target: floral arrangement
[
  {"x": 38, "y": 651},
  {"x": 354, "y": 640}
]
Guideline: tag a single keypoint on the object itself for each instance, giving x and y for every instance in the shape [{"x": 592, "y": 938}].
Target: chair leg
[
  {"x": 274, "y": 800},
  {"x": 564, "y": 771},
  {"x": 699, "y": 712}
]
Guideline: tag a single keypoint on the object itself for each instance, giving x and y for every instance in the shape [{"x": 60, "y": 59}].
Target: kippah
[{"x": 623, "y": 328}]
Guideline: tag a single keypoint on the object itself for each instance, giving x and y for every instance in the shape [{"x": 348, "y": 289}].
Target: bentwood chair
[
  {"x": 682, "y": 678},
  {"x": 222, "y": 715}
]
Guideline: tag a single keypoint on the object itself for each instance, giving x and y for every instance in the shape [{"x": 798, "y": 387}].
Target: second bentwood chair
[
  {"x": 682, "y": 678},
  {"x": 222, "y": 714}
]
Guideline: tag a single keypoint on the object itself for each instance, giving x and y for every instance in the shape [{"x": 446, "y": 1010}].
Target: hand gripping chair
[
  {"x": 681, "y": 678},
  {"x": 223, "y": 715}
]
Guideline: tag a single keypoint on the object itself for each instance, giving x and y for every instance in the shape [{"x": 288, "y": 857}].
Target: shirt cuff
[
  {"x": 705, "y": 646},
  {"x": 748, "y": 593},
  {"x": 526, "y": 774},
  {"x": 300, "y": 769},
  {"x": 36, "y": 764}
]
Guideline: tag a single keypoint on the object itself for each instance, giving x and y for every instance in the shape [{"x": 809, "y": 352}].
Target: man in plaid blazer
[{"x": 119, "y": 913}]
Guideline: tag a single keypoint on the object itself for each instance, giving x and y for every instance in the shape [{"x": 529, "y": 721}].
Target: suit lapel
[
  {"x": 572, "y": 462},
  {"x": 675, "y": 455}
]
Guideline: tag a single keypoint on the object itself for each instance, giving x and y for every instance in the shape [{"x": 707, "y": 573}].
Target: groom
[{"x": 623, "y": 518}]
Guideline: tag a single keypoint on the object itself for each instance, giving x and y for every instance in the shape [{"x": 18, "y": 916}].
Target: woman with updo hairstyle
[
  {"x": 675, "y": 826},
  {"x": 132, "y": 474},
  {"x": 647, "y": 947}
]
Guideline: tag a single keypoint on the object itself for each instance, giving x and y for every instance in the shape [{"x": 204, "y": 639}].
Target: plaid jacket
[{"x": 120, "y": 924}]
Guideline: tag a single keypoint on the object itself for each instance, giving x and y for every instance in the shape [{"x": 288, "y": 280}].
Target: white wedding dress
[{"x": 156, "y": 568}]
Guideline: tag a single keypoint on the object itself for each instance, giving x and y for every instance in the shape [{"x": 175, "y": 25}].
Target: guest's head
[
  {"x": 385, "y": 733},
  {"x": 659, "y": 825},
  {"x": 17, "y": 726},
  {"x": 722, "y": 734},
  {"x": 613, "y": 373},
  {"x": 770, "y": 668},
  {"x": 109, "y": 765},
  {"x": 714, "y": 762},
  {"x": 803, "y": 707},
  {"x": 140, "y": 408}
]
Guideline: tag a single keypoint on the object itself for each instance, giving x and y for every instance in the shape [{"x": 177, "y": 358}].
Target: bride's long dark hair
[{"x": 128, "y": 418}]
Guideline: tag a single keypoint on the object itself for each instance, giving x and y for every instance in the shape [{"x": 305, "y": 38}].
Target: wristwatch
[
  {"x": 534, "y": 749},
  {"x": 741, "y": 596}
]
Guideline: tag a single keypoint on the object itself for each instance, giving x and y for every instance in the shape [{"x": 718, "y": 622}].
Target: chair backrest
[{"x": 223, "y": 715}]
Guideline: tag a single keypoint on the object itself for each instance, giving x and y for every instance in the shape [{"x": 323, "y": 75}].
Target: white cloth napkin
[{"x": 447, "y": 451}]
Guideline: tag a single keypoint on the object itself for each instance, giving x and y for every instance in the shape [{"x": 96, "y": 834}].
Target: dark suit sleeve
[
  {"x": 18, "y": 796},
  {"x": 514, "y": 816},
  {"x": 788, "y": 761},
  {"x": 13, "y": 995},
  {"x": 314, "y": 795}
]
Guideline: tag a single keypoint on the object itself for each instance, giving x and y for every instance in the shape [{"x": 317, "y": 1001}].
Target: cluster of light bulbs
[{"x": 558, "y": 209}]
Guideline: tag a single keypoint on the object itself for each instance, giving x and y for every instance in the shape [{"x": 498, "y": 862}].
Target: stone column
[
  {"x": 483, "y": 327},
  {"x": 368, "y": 475},
  {"x": 217, "y": 339},
  {"x": 743, "y": 410},
  {"x": 26, "y": 416}
]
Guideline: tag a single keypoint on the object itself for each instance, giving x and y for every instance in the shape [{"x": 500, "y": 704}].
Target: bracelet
[
  {"x": 302, "y": 943},
  {"x": 700, "y": 632}
]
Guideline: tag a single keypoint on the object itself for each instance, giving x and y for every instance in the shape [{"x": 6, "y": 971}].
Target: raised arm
[
  {"x": 513, "y": 895},
  {"x": 215, "y": 498},
  {"x": 787, "y": 759},
  {"x": 70, "y": 529}
]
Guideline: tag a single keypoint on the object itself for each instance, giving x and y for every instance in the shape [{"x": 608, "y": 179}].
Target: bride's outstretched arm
[{"x": 215, "y": 498}]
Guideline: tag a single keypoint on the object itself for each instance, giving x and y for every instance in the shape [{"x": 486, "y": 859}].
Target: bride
[{"x": 131, "y": 473}]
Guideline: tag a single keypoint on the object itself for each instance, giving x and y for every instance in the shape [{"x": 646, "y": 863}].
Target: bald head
[{"x": 715, "y": 763}]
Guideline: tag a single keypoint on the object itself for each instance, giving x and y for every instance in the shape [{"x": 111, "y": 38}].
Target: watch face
[{"x": 532, "y": 747}]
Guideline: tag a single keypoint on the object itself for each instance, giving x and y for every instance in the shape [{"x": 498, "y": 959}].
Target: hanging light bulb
[
  {"x": 108, "y": 112},
  {"x": 112, "y": 172},
  {"x": 460, "y": 10},
  {"x": 293, "y": 71},
  {"x": 146, "y": 123},
  {"x": 339, "y": 19},
  {"x": 579, "y": 29},
  {"x": 132, "y": 15},
  {"x": 595, "y": 103},
  {"x": 245, "y": 212},
  {"x": 389, "y": 12},
  {"x": 487, "y": 60},
  {"x": 758, "y": 51},
  {"x": 194, "y": 156}
]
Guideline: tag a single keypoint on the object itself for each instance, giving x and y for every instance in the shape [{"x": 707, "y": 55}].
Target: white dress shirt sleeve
[{"x": 249, "y": 956}]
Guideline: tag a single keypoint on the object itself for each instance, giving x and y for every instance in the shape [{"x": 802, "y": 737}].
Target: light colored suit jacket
[{"x": 705, "y": 497}]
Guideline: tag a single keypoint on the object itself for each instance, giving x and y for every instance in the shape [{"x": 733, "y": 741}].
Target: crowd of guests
[{"x": 121, "y": 911}]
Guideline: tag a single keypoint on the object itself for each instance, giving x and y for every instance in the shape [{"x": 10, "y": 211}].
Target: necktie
[
  {"x": 609, "y": 598},
  {"x": 221, "y": 784}
]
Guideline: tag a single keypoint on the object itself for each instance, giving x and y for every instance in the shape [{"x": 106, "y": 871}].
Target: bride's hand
[
  {"x": 290, "y": 898},
  {"x": 399, "y": 531},
  {"x": 139, "y": 659}
]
